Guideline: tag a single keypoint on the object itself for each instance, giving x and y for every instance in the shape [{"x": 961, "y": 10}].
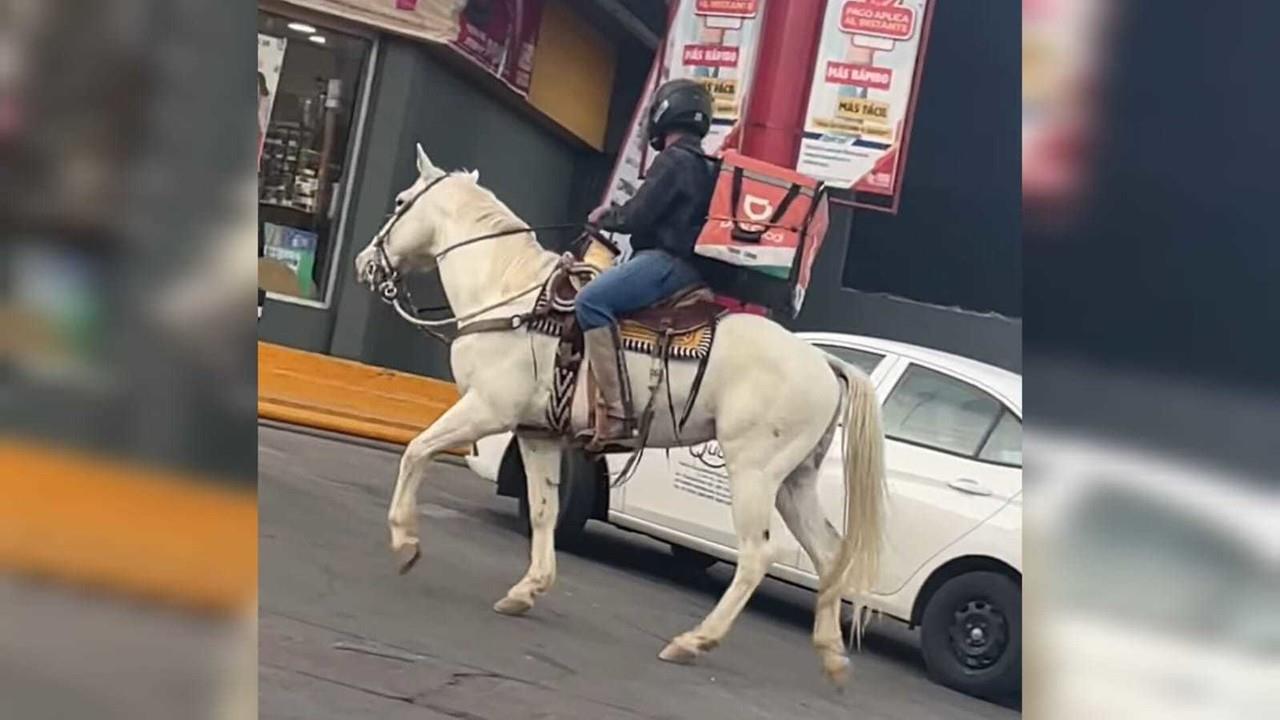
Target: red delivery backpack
[{"x": 764, "y": 228}]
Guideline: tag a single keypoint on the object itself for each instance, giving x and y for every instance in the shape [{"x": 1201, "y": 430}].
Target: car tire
[
  {"x": 690, "y": 559},
  {"x": 972, "y": 635},
  {"x": 577, "y": 496}
]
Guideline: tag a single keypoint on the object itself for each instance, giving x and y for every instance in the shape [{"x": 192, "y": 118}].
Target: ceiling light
[
  {"x": 301, "y": 27},
  {"x": 317, "y": 39}
]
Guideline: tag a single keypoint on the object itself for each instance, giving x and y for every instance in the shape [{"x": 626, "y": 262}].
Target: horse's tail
[{"x": 858, "y": 560}]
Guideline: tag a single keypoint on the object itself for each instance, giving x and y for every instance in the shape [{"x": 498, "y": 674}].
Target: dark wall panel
[
  {"x": 298, "y": 326},
  {"x": 831, "y": 307},
  {"x": 957, "y": 239},
  {"x": 460, "y": 125}
]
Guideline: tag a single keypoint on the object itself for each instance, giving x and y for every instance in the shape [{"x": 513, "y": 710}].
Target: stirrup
[
  {"x": 612, "y": 446},
  {"x": 629, "y": 440}
]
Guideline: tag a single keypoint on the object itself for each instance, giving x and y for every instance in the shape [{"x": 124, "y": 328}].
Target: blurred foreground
[
  {"x": 128, "y": 561},
  {"x": 1151, "y": 487},
  {"x": 65, "y": 654}
]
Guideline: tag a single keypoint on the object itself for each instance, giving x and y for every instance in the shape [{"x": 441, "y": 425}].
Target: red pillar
[{"x": 773, "y": 119}]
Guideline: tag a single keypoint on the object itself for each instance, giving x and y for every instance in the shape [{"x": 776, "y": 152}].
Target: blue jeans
[{"x": 646, "y": 278}]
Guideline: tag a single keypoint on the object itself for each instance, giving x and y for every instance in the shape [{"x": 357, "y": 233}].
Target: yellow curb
[
  {"x": 344, "y": 396},
  {"x": 131, "y": 529}
]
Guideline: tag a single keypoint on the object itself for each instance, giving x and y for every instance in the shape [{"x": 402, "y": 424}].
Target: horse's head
[{"x": 417, "y": 230}]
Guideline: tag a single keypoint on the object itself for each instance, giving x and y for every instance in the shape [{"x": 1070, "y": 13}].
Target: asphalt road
[
  {"x": 343, "y": 636},
  {"x": 77, "y": 652}
]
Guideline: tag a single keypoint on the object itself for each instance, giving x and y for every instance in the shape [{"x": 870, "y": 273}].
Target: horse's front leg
[
  {"x": 542, "y": 476},
  {"x": 466, "y": 422}
]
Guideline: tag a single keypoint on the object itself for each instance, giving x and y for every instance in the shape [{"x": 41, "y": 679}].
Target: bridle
[{"x": 390, "y": 285}]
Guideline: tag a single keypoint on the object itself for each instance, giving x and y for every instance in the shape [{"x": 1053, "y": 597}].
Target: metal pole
[{"x": 773, "y": 120}]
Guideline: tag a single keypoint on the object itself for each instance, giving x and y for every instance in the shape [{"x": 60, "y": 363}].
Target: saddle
[
  {"x": 688, "y": 317},
  {"x": 680, "y": 327}
]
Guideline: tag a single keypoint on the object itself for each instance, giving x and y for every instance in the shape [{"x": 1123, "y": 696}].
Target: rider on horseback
[{"x": 663, "y": 219}]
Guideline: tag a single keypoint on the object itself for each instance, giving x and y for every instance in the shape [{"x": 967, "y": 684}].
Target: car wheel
[
  {"x": 690, "y": 559},
  {"x": 972, "y": 635},
  {"x": 577, "y": 496}
]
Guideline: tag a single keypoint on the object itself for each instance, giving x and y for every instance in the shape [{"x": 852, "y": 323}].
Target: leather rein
[{"x": 391, "y": 287}]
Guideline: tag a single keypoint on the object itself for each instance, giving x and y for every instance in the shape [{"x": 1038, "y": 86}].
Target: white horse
[{"x": 770, "y": 399}]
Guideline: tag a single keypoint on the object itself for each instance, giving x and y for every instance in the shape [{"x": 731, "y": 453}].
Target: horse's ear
[
  {"x": 475, "y": 176},
  {"x": 424, "y": 163}
]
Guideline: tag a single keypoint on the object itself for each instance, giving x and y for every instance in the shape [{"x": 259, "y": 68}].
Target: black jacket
[{"x": 670, "y": 207}]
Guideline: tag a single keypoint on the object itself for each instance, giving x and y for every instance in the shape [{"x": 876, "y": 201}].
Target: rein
[{"x": 391, "y": 287}]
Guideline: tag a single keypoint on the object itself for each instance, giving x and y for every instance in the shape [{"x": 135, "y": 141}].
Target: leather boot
[{"x": 612, "y": 424}]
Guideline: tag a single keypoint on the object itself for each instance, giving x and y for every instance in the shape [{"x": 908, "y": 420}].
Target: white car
[
  {"x": 1162, "y": 599},
  {"x": 953, "y": 547}
]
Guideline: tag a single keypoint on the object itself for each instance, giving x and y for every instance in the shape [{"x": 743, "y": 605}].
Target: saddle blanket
[
  {"x": 659, "y": 335},
  {"x": 694, "y": 345}
]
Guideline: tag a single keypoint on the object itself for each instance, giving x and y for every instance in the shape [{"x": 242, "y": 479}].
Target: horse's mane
[
  {"x": 481, "y": 208},
  {"x": 482, "y": 212}
]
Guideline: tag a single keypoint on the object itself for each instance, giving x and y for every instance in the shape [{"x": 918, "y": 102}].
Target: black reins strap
[
  {"x": 380, "y": 240},
  {"x": 504, "y": 233},
  {"x": 399, "y": 291},
  {"x": 395, "y": 292},
  {"x": 513, "y": 322}
]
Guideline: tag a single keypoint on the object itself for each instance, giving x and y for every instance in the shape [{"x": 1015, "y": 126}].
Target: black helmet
[{"x": 678, "y": 104}]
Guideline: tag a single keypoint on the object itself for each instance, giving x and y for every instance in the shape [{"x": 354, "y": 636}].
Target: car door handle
[{"x": 969, "y": 486}]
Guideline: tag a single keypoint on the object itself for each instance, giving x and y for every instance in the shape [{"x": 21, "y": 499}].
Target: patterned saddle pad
[
  {"x": 689, "y": 316},
  {"x": 686, "y": 321},
  {"x": 692, "y": 329}
]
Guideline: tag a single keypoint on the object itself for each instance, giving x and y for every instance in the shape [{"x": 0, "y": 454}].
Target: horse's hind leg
[
  {"x": 467, "y": 421},
  {"x": 542, "y": 476},
  {"x": 801, "y": 509},
  {"x": 753, "y": 494}
]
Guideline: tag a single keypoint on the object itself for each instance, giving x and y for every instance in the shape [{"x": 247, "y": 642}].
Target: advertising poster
[
  {"x": 1063, "y": 47},
  {"x": 633, "y": 157},
  {"x": 295, "y": 249},
  {"x": 56, "y": 305},
  {"x": 502, "y": 38},
  {"x": 431, "y": 20},
  {"x": 714, "y": 42},
  {"x": 500, "y": 35},
  {"x": 863, "y": 93},
  {"x": 270, "y": 60}
]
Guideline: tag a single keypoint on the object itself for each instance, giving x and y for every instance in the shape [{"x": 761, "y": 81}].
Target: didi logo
[{"x": 757, "y": 208}]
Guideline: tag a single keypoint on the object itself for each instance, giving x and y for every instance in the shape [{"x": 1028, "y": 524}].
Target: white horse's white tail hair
[{"x": 857, "y": 563}]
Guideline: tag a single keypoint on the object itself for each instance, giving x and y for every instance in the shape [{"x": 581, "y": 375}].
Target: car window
[
  {"x": 938, "y": 411},
  {"x": 1120, "y": 541},
  {"x": 1005, "y": 443},
  {"x": 864, "y": 360}
]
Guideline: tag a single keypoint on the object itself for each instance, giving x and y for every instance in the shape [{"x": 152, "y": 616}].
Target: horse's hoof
[
  {"x": 407, "y": 556},
  {"x": 677, "y": 653},
  {"x": 836, "y": 668},
  {"x": 512, "y": 606}
]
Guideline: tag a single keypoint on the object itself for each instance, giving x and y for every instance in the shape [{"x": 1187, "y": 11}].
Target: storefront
[
  {"x": 525, "y": 92},
  {"x": 313, "y": 87}
]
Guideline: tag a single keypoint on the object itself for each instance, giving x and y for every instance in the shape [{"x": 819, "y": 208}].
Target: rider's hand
[
  {"x": 733, "y": 139},
  {"x": 598, "y": 214}
]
